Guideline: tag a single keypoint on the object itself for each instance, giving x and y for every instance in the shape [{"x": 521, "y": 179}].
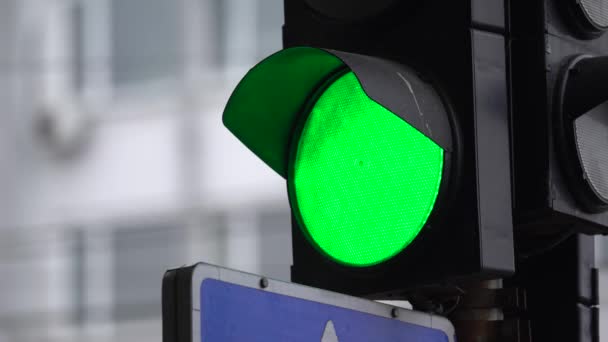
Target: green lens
[{"x": 363, "y": 180}]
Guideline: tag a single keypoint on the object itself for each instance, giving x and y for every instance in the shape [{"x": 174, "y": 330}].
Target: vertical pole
[
  {"x": 562, "y": 291},
  {"x": 487, "y": 311}
]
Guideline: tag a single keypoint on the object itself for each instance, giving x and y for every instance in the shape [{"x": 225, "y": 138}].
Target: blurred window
[
  {"x": 146, "y": 40},
  {"x": 141, "y": 256},
  {"x": 140, "y": 44},
  {"x": 275, "y": 244}
]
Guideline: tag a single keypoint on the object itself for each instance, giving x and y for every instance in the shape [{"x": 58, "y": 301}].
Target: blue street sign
[
  {"x": 231, "y": 312},
  {"x": 207, "y": 303}
]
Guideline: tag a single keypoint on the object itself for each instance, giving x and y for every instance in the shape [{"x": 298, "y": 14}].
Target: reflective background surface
[{"x": 114, "y": 164}]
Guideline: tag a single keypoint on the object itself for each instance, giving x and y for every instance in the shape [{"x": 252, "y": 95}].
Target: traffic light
[
  {"x": 560, "y": 116},
  {"x": 389, "y": 121}
]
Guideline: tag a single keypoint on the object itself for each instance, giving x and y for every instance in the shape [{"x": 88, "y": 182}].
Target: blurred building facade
[{"x": 114, "y": 164}]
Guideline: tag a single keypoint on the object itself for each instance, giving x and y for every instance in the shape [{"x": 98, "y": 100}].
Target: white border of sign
[{"x": 205, "y": 271}]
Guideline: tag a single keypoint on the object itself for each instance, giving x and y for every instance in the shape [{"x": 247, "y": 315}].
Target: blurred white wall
[
  {"x": 114, "y": 164},
  {"x": 137, "y": 147}
]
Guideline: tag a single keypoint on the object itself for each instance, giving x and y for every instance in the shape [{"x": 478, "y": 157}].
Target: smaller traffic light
[
  {"x": 560, "y": 111},
  {"x": 581, "y": 128}
]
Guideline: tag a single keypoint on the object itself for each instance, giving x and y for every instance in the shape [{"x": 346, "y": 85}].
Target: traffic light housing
[
  {"x": 393, "y": 139},
  {"x": 559, "y": 116},
  {"x": 366, "y": 147}
]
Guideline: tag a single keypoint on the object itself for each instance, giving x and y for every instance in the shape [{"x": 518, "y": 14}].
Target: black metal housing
[
  {"x": 460, "y": 48},
  {"x": 564, "y": 274},
  {"x": 548, "y": 194},
  {"x": 358, "y": 10},
  {"x": 177, "y": 304}
]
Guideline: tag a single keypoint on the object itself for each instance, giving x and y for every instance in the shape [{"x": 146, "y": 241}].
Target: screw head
[
  {"x": 264, "y": 283},
  {"x": 394, "y": 312}
]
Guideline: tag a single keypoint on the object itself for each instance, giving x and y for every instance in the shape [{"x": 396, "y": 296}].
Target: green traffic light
[
  {"x": 363, "y": 177},
  {"x": 362, "y": 180}
]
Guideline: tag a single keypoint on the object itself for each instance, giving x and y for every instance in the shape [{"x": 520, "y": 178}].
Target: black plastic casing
[
  {"x": 460, "y": 48},
  {"x": 177, "y": 304},
  {"x": 546, "y": 36}
]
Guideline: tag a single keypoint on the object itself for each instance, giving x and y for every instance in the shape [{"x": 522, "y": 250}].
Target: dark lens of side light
[
  {"x": 590, "y": 17},
  {"x": 596, "y": 11},
  {"x": 591, "y": 137},
  {"x": 581, "y": 130}
]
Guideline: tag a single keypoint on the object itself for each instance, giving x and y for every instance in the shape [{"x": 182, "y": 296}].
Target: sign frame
[{"x": 181, "y": 301}]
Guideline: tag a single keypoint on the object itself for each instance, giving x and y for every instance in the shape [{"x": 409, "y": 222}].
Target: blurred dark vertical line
[
  {"x": 189, "y": 152},
  {"x": 79, "y": 262},
  {"x": 8, "y": 81},
  {"x": 222, "y": 239},
  {"x": 77, "y": 27},
  {"x": 270, "y": 20},
  {"x": 218, "y": 38}
]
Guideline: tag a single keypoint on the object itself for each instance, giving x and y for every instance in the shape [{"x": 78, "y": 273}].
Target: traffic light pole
[
  {"x": 561, "y": 286},
  {"x": 553, "y": 297},
  {"x": 489, "y": 312}
]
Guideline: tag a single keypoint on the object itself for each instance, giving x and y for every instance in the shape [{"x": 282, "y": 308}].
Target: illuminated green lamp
[{"x": 363, "y": 177}]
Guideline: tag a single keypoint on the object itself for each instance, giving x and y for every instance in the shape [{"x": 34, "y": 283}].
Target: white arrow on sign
[{"x": 329, "y": 335}]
